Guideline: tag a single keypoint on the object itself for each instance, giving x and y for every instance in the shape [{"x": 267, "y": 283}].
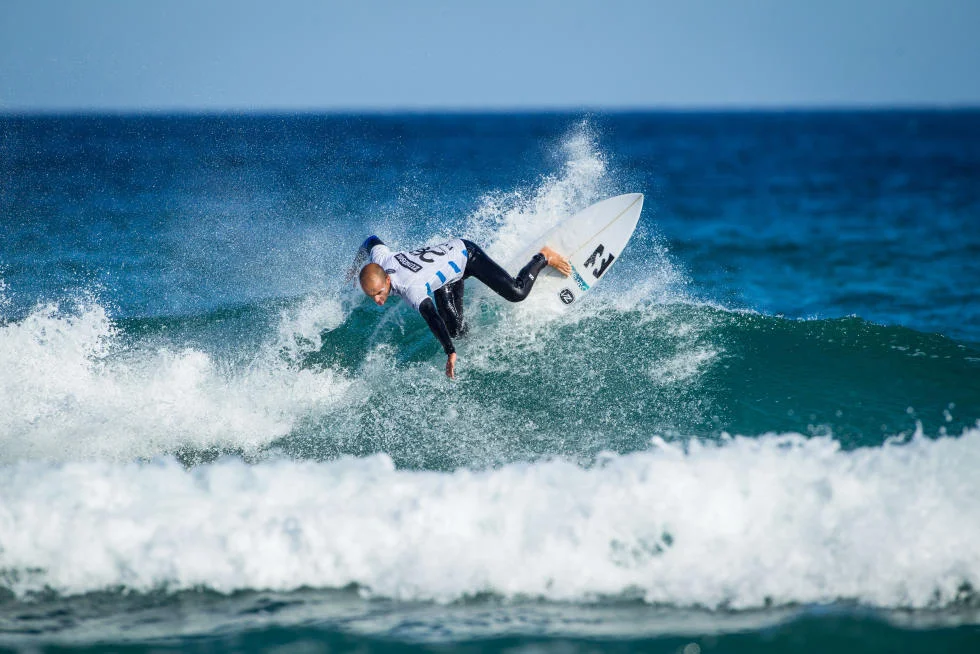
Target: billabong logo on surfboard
[
  {"x": 603, "y": 263},
  {"x": 566, "y": 296}
]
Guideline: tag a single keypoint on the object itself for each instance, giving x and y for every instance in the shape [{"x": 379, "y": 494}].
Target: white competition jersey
[{"x": 416, "y": 274}]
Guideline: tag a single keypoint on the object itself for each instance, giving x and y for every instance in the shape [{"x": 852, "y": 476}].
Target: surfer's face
[{"x": 379, "y": 290}]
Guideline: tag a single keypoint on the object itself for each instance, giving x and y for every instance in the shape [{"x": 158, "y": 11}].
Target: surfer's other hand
[
  {"x": 557, "y": 261},
  {"x": 451, "y": 366}
]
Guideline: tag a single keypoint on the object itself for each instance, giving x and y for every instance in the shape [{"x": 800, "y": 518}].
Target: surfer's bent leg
[
  {"x": 449, "y": 303},
  {"x": 513, "y": 289}
]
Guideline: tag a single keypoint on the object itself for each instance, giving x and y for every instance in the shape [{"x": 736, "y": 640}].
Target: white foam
[
  {"x": 71, "y": 390},
  {"x": 301, "y": 327},
  {"x": 683, "y": 366},
  {"x": 4, "y": 300},
  {"x": 504, "y": 223},
  {"x": 780, "y": 519}
]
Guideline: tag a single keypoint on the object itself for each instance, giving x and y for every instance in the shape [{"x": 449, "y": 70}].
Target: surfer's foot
[{"x": 557, "y": 261}]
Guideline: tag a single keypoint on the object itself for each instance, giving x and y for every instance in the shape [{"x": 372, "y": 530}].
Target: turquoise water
[{"x": 760, "y": 433}]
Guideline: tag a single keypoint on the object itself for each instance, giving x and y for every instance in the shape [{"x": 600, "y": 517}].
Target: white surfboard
[{"x": 591, "y": 240}]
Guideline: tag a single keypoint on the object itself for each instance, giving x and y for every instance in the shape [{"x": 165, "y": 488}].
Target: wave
[
  {"x": 322, "y": 378},
  {"x": 328, "y": 374},
  {"x": 746, "y": 522}
]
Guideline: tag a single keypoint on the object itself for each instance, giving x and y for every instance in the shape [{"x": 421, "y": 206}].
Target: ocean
[{"x": 760, "y": 433}]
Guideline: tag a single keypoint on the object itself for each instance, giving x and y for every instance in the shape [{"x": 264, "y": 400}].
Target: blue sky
[{"x": 58, "y": 55}]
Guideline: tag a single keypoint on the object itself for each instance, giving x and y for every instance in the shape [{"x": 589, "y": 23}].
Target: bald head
[
  {"x": 375, "y": 283},
  {"x": 372, "y": 274}
]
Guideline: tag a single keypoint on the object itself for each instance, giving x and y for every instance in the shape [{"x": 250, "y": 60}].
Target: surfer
[{"x": 431, "y": 280}]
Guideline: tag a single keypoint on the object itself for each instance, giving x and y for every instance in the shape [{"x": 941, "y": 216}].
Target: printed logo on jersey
[
  {"x": 425, "y": 254},
  {"x": 566, "y": 296},
  {"x": 408, "y": 263}
]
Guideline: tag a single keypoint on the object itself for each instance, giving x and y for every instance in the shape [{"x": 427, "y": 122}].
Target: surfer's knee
[{"x": 517, "y": 292}]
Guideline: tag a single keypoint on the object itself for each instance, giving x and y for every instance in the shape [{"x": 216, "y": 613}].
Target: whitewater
[{"x": 743, "y": 524}]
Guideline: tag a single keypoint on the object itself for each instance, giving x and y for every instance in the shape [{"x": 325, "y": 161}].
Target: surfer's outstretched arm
[{"x": 438, "y": 326}]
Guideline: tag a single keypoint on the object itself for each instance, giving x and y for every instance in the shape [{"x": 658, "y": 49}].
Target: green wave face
[{"x": 608, "y": 379}]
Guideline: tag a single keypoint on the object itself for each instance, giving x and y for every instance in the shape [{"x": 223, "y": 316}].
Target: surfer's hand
[
  {"x": 451, "y": 366},
  {"x": 557, "y": 261}
]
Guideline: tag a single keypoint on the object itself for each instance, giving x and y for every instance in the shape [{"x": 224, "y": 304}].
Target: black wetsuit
[
  {"x": 449, "y": 298},
  {"x": 444, "y": 315}
]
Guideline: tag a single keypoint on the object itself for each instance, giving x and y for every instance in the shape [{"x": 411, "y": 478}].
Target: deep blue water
[{"x": 760, "y": 433}]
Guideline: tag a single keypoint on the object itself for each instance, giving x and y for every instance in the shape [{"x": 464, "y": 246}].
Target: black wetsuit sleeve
[{"x": 436, "y": 324}]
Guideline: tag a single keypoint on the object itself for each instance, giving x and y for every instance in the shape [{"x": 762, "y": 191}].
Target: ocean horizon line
[{"x": 466, "y": 110}]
